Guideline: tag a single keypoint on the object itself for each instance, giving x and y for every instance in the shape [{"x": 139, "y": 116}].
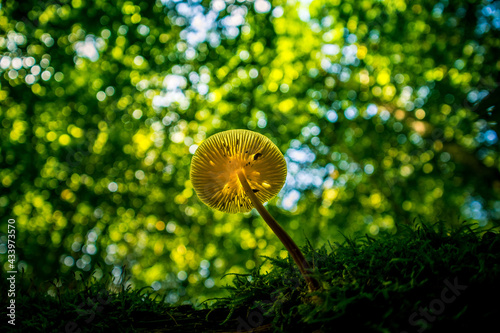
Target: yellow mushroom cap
[{"x": 215, "y": 164}]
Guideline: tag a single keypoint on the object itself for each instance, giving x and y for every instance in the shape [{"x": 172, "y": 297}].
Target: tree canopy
[{"x": 386, "y": 111}]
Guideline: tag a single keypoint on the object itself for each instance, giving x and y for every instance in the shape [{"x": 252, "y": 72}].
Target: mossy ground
[{"x": 423, "y": 278}]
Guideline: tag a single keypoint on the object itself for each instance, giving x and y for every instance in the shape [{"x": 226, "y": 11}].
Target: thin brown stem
[{"x": 287, "y": 241}]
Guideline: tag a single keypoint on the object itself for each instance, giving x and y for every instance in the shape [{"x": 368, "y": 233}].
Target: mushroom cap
[{"x": 215, "y": 164}]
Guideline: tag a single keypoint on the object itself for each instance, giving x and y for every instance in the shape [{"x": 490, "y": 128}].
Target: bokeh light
[{"x": 385, "y": 112}]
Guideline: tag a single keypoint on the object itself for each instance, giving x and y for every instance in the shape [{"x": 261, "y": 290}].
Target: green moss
[{"x": 424, "y": 278}]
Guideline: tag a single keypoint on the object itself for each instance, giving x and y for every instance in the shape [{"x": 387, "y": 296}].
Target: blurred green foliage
[{"x": 385, "y": 111}]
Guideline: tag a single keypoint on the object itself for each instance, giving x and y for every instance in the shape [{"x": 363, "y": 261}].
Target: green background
[{"x": 385, "y": 111}]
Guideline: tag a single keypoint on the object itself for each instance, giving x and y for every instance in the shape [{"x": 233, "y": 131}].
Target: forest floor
[{"x": 423, "y": 278}]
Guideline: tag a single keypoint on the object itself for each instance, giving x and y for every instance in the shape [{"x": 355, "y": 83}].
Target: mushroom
[{"x": 237, "y": 170}]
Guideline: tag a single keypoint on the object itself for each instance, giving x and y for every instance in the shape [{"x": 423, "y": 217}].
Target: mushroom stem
[{"x": 290, "y": 245}]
